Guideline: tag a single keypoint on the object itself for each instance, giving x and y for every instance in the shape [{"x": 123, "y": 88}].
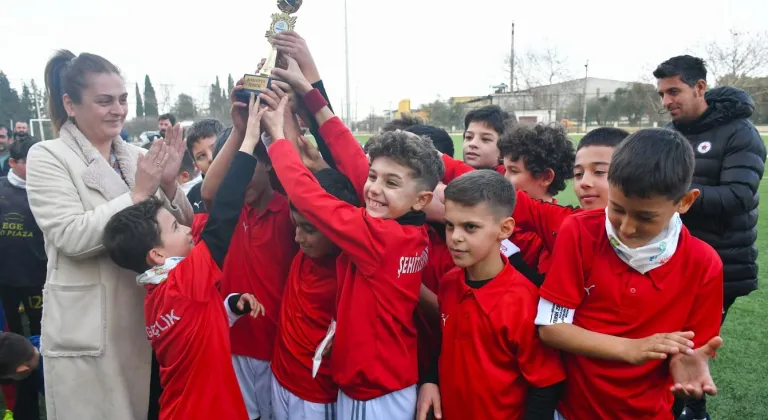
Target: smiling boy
[{"x": 384, "y": 250}]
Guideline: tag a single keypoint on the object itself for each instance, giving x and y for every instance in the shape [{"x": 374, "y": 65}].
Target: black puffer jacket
[{"x": 730, "y": 159}]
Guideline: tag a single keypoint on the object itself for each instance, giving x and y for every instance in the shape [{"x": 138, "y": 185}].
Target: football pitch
[{"x": 741, "y": 368}]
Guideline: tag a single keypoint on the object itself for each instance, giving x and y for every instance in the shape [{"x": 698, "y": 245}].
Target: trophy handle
[{"x": 270, "y": 62}]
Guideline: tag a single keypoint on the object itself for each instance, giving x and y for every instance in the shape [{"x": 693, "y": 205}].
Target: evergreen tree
[
  {"x": 26, "y": 105},
  {"x": 150, "y": 99},
  {"x": 139, "y": 103},
  {"x": 40, "y": 100},
  {"x": 9, "y": 101}
]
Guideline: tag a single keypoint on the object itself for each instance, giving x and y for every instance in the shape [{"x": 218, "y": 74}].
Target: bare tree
[
  {"x": 538, "y": 68},
  {"x": 164, "y": 102},
  {"x": 742, "y": 56}
]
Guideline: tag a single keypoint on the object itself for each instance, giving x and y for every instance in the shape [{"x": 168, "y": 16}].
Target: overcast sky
[{"x": 415, "y": 49}]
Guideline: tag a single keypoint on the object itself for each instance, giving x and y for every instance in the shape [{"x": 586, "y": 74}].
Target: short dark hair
[
  {"x": 603, "y": 136},
  {"x": 20, "y": 147},
  {"x": 187, "y": 164},
  {"x": 66, "y": 73},
  {"x": 15, "y": 351},
  {"x": 209, "y": 127},
  {"x": 541, "y": 147},
  {"x": 440, "y": 138},
  {"x": 492, "y": 115},
  {"x": 653, "y": 162},
  {"x": 411, "y": 151},
  {"x": 170, "y": 117},
  {"x": 690, "y": 69},
  {"x": 131, "y": 233},
  {"x": 404, "y": 122},
  {"x": 483, "y": 186},
  {"x": 337, "y": 185}
]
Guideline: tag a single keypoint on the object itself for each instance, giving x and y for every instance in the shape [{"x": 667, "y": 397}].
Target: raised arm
[
  {"x": 230, "y": 196},
  {"x": 220, "y": 165},
  {"x": 293, "y": 45},
  {"x": 541, "y": 217},
  {"x": 740, "y": 175},
  {"x": 344, "y": 148}
]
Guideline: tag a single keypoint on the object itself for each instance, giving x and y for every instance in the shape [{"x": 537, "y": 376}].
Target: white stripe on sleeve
[
  {"x": 231, "y": 315},
  {"x": 550, "y": 313}
]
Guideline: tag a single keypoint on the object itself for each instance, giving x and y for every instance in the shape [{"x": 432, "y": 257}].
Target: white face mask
[
  {"x": 651, "y": 255},
  {"x": 158, "y": 273}
]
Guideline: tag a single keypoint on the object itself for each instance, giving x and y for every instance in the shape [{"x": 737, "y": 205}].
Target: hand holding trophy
[{"x": 281, "y": 22}]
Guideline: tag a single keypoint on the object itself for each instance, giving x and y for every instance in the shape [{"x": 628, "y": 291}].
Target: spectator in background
[
  {"x": 5, "y": 144},
  {"x": 20, "y": 128},
  {"x": 98, "y": 360},
  {"x": 164, "y": 122},
  {"x": 22, "y": 247},
  {"x": 730, "y": 160},
  {"x": 187, "y": 177}
]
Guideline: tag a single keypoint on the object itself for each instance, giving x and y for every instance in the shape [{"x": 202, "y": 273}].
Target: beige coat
[{"x": 97, "y": 357}]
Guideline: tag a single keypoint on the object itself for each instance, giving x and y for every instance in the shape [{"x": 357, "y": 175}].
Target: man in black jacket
[{"x": 730, "y": 160}]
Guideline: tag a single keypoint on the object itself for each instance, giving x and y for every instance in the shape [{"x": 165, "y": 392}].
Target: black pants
[
  {"x": 155, "y": 389},
  {"x": 699, "y": 407},
  {"x": 31, "y": 298}
]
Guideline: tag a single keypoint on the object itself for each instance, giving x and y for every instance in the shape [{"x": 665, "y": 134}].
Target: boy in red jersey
[
  {"x": 258, "y": 262},
  {"x": 309, "y": 306},
  {"x": 186, "y": 322},
  {"x": 487, "y": 309},
  {"x": 384, "y": 250},
  {"x": 632, "y": 297}
]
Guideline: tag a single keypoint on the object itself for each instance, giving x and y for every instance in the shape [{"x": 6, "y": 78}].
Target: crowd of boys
[{"x": 393, "y": 281}]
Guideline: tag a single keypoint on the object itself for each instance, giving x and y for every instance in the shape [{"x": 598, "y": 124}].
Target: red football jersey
[
  {"x": 188, "y": 328},
  {"x": 610, "y": 297},
  {"x": 309, "y": 305},
  {"x": 454, "y": 168},
  {"x": 379, "y": 271},
  {"x": 491, "y": 352},
  {"x": 258, "y": 262}
]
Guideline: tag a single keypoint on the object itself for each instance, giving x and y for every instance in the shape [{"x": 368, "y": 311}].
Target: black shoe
[{"x": 687, "y": 414}]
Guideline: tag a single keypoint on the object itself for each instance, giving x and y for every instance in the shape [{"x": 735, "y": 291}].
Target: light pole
[
  {"x": 346, "y": 54},
  {"x": 584, "y": 110}
]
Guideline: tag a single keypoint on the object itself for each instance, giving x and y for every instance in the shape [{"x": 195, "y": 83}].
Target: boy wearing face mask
[{"x": 630, "y": 293}]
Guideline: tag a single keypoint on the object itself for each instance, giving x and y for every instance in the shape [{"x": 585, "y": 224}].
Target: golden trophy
[{"x": 281, "y": 22}]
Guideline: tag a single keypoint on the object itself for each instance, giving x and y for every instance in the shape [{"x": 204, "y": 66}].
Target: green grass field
[{"x": 741, "y": 367}]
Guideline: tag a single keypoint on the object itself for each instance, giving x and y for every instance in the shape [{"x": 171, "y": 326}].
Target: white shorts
[
  {"x": 558, "y": 416},
  {"x": 393, "y": 406},
  {"x": 255, "y": 380},
  {"x": 287, "y": 406}
]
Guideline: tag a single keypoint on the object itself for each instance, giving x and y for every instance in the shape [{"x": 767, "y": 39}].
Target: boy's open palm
[
  {"x": 176, "y": 147},
  {"x": 658, "y": 347},
  {"x": 253, "y": 127},
  {"x": 690, "y": 373},
  {"x": 274, "y": 120},
  {"x": 429, "y": 398}
]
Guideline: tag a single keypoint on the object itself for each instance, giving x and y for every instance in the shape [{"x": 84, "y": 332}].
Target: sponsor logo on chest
[
  {"x": 162, "y": 324},
  {"x": 411, "y": 265}
]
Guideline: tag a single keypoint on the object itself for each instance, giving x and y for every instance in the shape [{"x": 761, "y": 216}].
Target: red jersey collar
[
  {"x": 490, "y": 294},
  {"x": 659, "y": 274}
]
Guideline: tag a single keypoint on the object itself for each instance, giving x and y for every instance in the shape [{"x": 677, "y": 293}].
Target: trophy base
[{"x": 253, "y": 83}]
